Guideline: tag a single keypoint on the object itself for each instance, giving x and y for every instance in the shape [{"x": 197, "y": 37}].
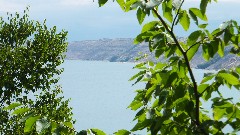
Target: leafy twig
[{"x": 175, "y": 18}]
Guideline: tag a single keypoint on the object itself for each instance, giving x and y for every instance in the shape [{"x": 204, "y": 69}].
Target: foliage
[
  {"x": 30, "y": 54},
  {"x": 171, "y": 102}
]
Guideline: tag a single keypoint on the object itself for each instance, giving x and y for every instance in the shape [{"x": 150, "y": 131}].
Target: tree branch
[
  {"x": 175, "y": 18},
  {"x": 187, "y": 63},
  {"x": 193, "y": 45}
]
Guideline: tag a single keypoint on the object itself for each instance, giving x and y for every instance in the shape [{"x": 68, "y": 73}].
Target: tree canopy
[{"x": 30, "y": 54}]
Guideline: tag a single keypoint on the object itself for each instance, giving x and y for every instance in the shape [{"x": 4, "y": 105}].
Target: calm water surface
[{"x": 100, "y": 93}]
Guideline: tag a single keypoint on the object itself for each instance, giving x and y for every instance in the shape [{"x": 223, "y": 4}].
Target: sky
[{"x": 84, "y": 20}]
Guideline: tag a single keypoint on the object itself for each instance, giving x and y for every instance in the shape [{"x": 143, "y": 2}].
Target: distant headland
[{"x": 123, "y": 50}]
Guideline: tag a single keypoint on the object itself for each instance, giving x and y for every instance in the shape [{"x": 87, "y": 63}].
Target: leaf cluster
[{"x": 171, "y": 102}]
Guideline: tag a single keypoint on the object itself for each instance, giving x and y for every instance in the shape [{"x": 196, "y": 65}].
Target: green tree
[
  {"x": 30, "y": 100},
  {"x": 171, "y": 102}
]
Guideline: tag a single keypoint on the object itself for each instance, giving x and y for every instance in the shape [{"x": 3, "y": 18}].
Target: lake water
[{"x": 101, "y": 92}]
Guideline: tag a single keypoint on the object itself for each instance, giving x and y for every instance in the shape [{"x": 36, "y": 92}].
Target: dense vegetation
[
  {"x": 170, "y": 103},
  {"x": 30, "y": 54}
]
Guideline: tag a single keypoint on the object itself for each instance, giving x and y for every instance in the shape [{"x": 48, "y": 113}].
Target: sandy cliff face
[{"x": 123, "y": 50}]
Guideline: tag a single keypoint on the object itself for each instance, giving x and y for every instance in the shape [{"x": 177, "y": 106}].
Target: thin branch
[
  {"x": 187, "y": 63},
  {"x": 193, "y": 46},
  {"x": 175, "y": 18}
]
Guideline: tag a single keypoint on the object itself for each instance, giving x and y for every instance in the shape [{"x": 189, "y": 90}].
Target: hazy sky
[{"x": 84, "y": 20}]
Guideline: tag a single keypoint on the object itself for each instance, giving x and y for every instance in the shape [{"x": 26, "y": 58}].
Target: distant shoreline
[{"x": 122, "y": 50}]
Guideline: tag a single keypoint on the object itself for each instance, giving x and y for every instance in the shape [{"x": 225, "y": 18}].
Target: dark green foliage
[
  {"x": 27, "y": 64},
  {"x": 30, "y": 54}
]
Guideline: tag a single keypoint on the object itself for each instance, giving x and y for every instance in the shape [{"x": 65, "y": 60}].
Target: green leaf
[
  {"x": 41, "y": 125},
  {"x": 140, "y": 65},
  {"x": 193, "y": 16},
  {"x": 138, "y": 79},
  {"x": 206, "y": 51},
  {"x": 122, "y": 132},
  {"x": 135, "y": 105},
  {"x": 238, "y": 70},
  {"x": 149, "y": 26},
  {"x": 202, "y": 26},
  {"x": 213, "y": 45},
  {"x": 182, "y": 69},
  {"x": 207, "y": 78},
  {"x": 137, "y": 75},
  {"x": 198, "y": 13},
  {"x": 231, "y": 79},
  {"x": 144, "y": 36},
  {"x": 121, "y": 3},
  {"x": 160, "y": 49},
  {"x": 167, "y": 10},
  {"x": 202, "y": 88},
  {"x": 12, "y": 106},
  {"x": 20, "y": 111},
  {"x": 178, "y": 101},
  {"x": 68, "y": 124},
  {"x": 30, "y": 114},
  {"x": 170, "y": 51},
  {"x": 29, "y": 123},
  {"x": 191, "y": 52},
  {"x": 193, "y": 37},
  {"x": 227, "y": 36},
  {"x": 237, "y": 113},
  {"x": 140, "y": 15},
  {"x": 164, "y": 77},
  {"x": 203, "y": 6},
  {"x": 221, "y": 49},
  {"x": 207, "y": 94},
  {"x": 150, "y": 91},
  {"x": 97, "y": 131},
  {"x": 218, "y": 113},
  {"x": 217, "y": 32},
  {"x": 160, "y": 66},
  {"x": 141, "y": 115},
  {"x": 184, "y": 20},
  {"x": 222, "y": 107},
  {"x": 102, "y": 2},
  {"x": 189, "y": 107},
  {"x": 54, "y": 127},
  {"x": 82, "y": 132},
  {"x": 141, "y": 125}
]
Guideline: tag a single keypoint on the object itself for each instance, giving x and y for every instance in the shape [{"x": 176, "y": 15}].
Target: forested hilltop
[{"x": 123, "y": 50}]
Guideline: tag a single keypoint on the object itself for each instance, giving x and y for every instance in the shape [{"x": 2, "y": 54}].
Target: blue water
[{"x": 100, "y": 93}]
